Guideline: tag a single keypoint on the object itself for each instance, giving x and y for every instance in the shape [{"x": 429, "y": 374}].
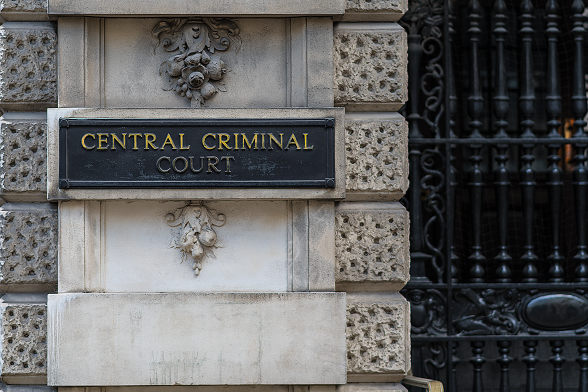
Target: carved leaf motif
[
  {"x": 196, "y": 72},
  {"x": 196, "y": 237}
]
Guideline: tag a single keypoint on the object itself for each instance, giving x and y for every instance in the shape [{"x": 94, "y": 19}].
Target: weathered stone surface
[
  {"x": 23, "y": 6},
  {"x": 204, "y": 338},
  {"x": 371, "y": 387},
  {"x": 28, "y": 68},
  {"x": 376, "y": 155},
  {"x": 23, "y": 156},
  {"x": 28, "y": 245},
  {"x": 375, "y": 10},
  {"x": 378, "y": 335},
  {"x": 24, "y": 341},
  {"x": 370, "y": 66},
  {"x": 371, "y": 243}
]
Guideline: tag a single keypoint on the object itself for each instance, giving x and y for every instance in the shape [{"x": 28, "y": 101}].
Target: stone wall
[
  {"x": 372, "y": 228},
  {"x": 370, "y": 81},
  {"x": 28, "y": 224}
]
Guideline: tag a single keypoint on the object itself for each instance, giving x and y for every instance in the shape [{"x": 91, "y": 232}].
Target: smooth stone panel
[
  {"x": 256, "y": 74},
  {"x": 252, "y": 256},
  {"x": 196, "y": 339},
  {"x": 168, "y": 8}
]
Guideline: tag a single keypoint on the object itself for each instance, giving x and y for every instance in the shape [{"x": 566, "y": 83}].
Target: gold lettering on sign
[
  {"x": 306, "y": 142},
  {"x": 246, "y": 142},
  {"x": 84, "y": 141},
  {"x": 122, "y": 143},
  {"x": 263, "y": 141},
  {"x": 223, "y": 139},
  {"x": 192, "y": 164},
  {"x": 102, "y": 138},
  {"x": 236, "y": 141},
  {"x": 293, "y": 141},
  {"x": 273, "y": 138},
  {"x": 135, "y": 136},
  {"x": 158, "y": 164},
  {"x": 182, "y": 143},
  {"x": 149, "y": 139},
  {"x": 174, "y": 165},
  {"x": 228, "y": 159},
  {"x": 212, "y": 165},
  {"x": 204, "y": 141},
  {"x": 168, "y": 140}
]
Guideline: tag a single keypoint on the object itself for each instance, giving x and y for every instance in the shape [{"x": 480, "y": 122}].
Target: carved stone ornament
[
  {"x": 196, "y": 237},
  {"x": 195, "y": 71}
]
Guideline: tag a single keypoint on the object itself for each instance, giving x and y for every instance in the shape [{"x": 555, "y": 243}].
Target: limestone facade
[
  {"x": 23, "y": 150},
  {"x": 376, "y": 156},
  {"x": 28, "y": 247},
  {"x": 28, "y": 223},
  {"x": 371, "y": 228},
  {"x": 24, "y": 342},
  {"x": 28, "y": 55},
  {"x": 371, "y": 244},
  {"x": 378, "y": 337},
  {"x": 370, "y": 66}
]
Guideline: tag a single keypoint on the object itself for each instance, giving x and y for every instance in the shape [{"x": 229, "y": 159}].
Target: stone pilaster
[{"x": 372, "y": 228}]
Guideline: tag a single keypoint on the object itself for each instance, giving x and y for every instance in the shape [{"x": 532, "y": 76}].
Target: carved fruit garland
[
  {"x": 195, "y": 72},
  {"x": 196, "y": 237}
]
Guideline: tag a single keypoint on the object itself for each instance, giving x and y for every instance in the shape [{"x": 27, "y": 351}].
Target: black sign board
[{"x": 196, "y": 153}]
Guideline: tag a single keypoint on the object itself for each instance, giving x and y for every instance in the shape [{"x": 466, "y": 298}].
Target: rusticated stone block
[
  {"x": 378, "y": 337},
  {"x": 28, "y": 68},
  {"x": 23, "y": 155},
  {"x": 371, "y": 245},
  {"x": 370, "y": 66},
  {"x": 376, "y": 156},
  {"x": 375, "y": 10},
  {"x": 24, "y": 10},
  {"x": 24, "y": 341},
  {"x": 28, "y": 245}
]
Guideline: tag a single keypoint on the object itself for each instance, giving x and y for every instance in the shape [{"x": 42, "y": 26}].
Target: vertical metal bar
[
  {"x": 579, "y": 110},
  {"x": 527, "y": 109},
  {"x": 501, "y": 174},
  {"x": 553, "y": 109},
  {"x": 477, "y": 361},
  {"x": 557, "y": 360},
  {"x": 530, "y": 360},
  {"x": 454, "y": 359},
  {"x": 451, "y": 172},
  {"x": 476, "y": 175},
  {"x": 583, "y": 362},
  {"x": 418, "y": 257},
  {"x": 504, "y": 361}
]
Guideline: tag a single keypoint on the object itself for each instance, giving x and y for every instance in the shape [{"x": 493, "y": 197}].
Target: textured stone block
[
  {"x": 24, "y": 340},
  {"x": 375, "y": 10},
  {"x": 28, "y": 67},
  {"x": 28, "y": 244},
  {"x": 376, "y": 156},
  {"x": 378, "y": 337},
  {"x": 24, "y": 10},
  {"x": 371, "y": 246},
  {"x": 370, "y": 66},
  {"x": 23, "y": 156}
]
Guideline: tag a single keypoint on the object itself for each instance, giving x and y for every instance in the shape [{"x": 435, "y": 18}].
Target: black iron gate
[{"x": 498, "y": 193}]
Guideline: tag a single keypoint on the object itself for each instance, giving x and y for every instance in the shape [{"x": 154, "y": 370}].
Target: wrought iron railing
[{"x": 498, "y": 194}]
